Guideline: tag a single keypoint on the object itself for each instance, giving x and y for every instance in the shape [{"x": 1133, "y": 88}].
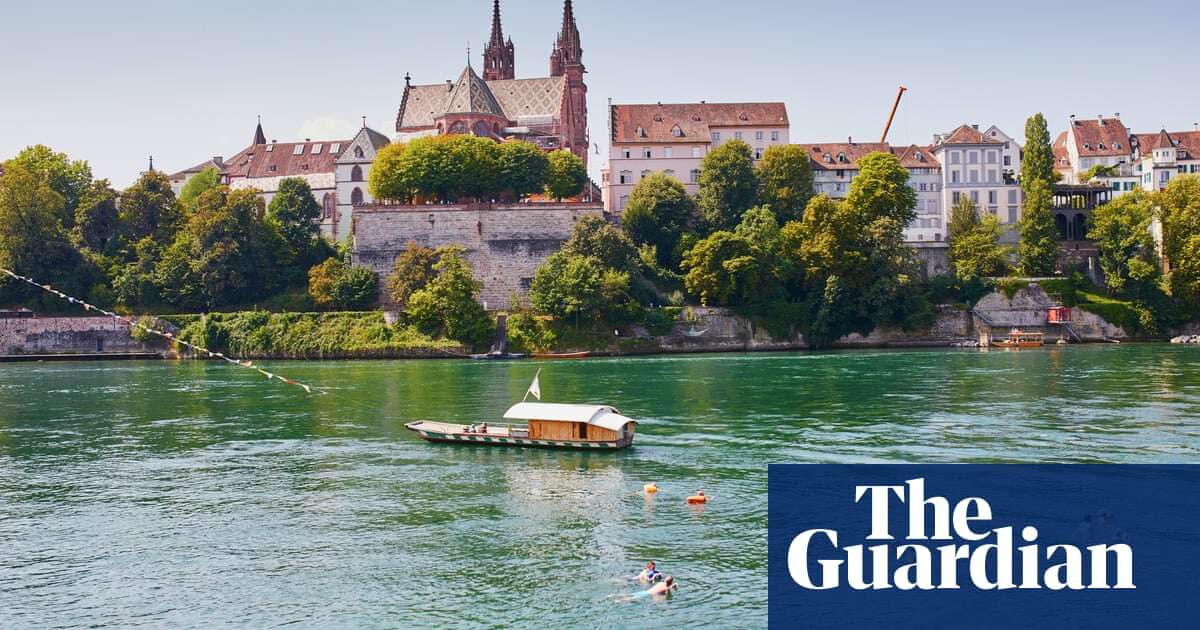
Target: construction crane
[{"x": 891, "y": 116}]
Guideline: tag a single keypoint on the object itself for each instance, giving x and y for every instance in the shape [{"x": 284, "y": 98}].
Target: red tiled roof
[
  {"x": 1100, "y": 137},
  {"x": 656, "y": 122},
  {"x": 186, "y": 173},
  {"x": 281, "y": 160},
  {"x": 1187, "y": 142},
  {"x": 1062, "y": 159},
  {"x": 967, "y": 134},
  {"x": 842, "y": 155},
  {"x": 914, "y": 156}
]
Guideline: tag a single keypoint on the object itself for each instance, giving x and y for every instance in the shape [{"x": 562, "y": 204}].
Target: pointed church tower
[
  {"x": 499, "y": 57},
  {"x": 567, "y": 61},
  {"x": 259, "y": 136}
]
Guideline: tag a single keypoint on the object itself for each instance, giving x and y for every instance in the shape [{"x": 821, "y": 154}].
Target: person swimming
[
  {"x": 664, "y": 587},
  {"x": 648, "y": 574}
]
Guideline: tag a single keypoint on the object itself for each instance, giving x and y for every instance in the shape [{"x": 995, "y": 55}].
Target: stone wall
[
  {"x": 1028, "y": 309},
  {"x": 505, "y": 242},
  {"x": 66, "y": 335}
]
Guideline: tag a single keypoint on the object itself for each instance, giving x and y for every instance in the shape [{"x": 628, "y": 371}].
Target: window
[
  {"x": 272, "y": 168},
  {"x": 694, "y": 176},
  {"x": 1008, "y": 160},
  {"x": 645, "y": 173},
  {"x": 758, "y": 153},
  {"x": 774, "y": 136},
  {"x": 626, "y": 153},
  {"x": 458, "y": 127},
  {"x": 669, "y": 173},
  {"x": 716, "y": 137},
  {"x": 668, "y": 152},
  {"x": 737, "y": 135},
  {"x": 991, "y": 157},
  {"x": 1012, "y": 214},
  {"x": 356, "y": 197},
  {"x": 1116, "y": 186},
  {"x": 955, "y": 196},
  {"x": 270, "y": 148},
  {"x": 298, "y": 149},
  {"x": 956, "y": 157},
  {"x": 991, "y": 196},
  {"x": 639, "y": 132},
  {"x": 954, "y": 177},
  {"x": 481, "y": 129},
  {"x": 327, "y": 206},
  {"x": 991, "y": 175},
  {"x": 335, "y": 147},
  {"x": 624, "y": 201},
  {"x": 676, "y": 131},
  {"x": 316, "y": 148},
  {"x": 973, "y": 177},
  {"x": 975, "y": 196},
  {"x": 358, "y": 152},
  {"x": 626, "y": 177},
  {"x": 647, "y": 153},
  {"x": 1012, "y": 196},
  {"x": 972, "y": 157},
  {"x": 758, "y": 135},
  {"x": 356, "y": 174},
  {"x": 695, "y": 152}
]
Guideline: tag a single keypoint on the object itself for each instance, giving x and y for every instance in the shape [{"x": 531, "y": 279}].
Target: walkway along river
[{"x": 195, "y": 493}]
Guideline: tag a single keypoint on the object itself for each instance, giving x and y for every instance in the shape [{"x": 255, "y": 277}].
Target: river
[{"x": 200, "y": 494}]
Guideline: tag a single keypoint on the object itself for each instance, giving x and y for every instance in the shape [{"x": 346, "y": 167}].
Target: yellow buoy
[
  {"x": 650, "y": 488},
  {"x": 698, "y": 498}
]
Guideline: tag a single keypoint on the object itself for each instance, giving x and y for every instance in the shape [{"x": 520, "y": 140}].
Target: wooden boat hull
[
  {"x": 1023, "y": 344},
  {"x": 456, "y": 434},
  {"x": 562, "y": 355}
]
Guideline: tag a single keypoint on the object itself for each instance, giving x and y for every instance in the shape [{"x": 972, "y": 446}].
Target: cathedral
[{"x": 550, "y": 111}]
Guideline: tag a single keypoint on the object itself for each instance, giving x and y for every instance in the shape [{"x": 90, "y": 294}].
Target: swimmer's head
[
  {"x": 650, "y": 565},
  {"x": 669, "y": 581}
]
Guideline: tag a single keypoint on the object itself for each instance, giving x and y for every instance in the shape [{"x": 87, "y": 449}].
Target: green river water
[{"x": 169, "y": 494}]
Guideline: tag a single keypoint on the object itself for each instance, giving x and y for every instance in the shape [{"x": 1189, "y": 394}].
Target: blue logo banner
[{"x": 984, "y": 546}]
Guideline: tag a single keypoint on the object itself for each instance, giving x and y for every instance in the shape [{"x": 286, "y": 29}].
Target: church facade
[{"x": 549, "y": 111}]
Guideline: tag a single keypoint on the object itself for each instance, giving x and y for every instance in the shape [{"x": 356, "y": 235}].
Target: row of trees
[{"x": 460, "y": 167}]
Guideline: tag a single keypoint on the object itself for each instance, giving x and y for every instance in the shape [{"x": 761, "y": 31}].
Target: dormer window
[
  {"x": 920, "y": 156},
  {"x": 658, "y": 118},
  {"x": 676, "y": 131},
  {"x": 842, "y": 158},
  {"x": 639, "y": 132},
  {"x": 1116, "y": 145},
  {"x": 335, "y": 147},
  {"x": 1101, "y": 146},
  {"x": 827, "y": 158},
  {"x": 696, "y": 117},
  {"x": 358, "y": 152},
  {"x": 1087, "y": 145},
  {"x": 316, "y": 148},
  {"x": 298, "y": 149},
  {"x": 743, "y": 116}
]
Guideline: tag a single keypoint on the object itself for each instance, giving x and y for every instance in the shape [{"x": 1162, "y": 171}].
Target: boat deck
[{"x": 448, "y": 428}]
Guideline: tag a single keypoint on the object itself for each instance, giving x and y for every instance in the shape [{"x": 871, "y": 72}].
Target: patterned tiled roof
[
  {"x": 1100, "y": 137},
  {"x": 471, "y": 95},
  {"x": 515, "y": 98},
  {"x": 659, "y": 122}
]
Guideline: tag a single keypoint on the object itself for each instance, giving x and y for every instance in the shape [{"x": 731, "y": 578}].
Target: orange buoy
[
  {"x": 650, "y": 488},
  {"x": 698, "y": 498}
]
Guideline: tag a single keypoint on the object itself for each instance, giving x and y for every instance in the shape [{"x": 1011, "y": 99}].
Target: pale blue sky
[{"x": 112, "y": 82}]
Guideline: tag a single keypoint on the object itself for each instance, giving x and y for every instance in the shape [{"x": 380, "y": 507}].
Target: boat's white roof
[{"x": 599, "y": 415}]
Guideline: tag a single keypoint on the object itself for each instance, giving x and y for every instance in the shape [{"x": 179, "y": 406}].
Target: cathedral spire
[
  {"x": 567, "y": 52},
  {"x": 499, "y": 59},
  {"x": 259, "y": 136}
]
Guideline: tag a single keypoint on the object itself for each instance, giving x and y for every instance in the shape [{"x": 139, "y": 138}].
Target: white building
[
  {"x": 674, "y": 138},
  {"x": 1089, "y": 143},
  {"x": 973, "y": 167},
  {"x": 352, "y": 168},
  {"x": 1160, "y": 157}
]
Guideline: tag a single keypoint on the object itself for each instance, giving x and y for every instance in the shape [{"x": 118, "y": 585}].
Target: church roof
[
  {"x": 514, "y": 99},
  {"x": 471, "y": 95}
]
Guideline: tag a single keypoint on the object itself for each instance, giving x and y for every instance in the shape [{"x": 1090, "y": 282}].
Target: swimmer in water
[
  {"x": 664, "y": 587},
  {"x": 648, "y": 574}
]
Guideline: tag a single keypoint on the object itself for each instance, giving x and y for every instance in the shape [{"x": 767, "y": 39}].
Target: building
[
  {"x": 1099, "y": 142},
  {"x": 674, "y": 138},
  {"x": 548, "y": 111},
  {"x": 835, "y": 165},
  {"x": 351, "y": 170},
  {"x": 972, "y": 166},
  {"x": 1159, "y": 157}
]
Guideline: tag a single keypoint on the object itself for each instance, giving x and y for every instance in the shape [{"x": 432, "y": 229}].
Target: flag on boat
[{"x": 534, "y": 388}]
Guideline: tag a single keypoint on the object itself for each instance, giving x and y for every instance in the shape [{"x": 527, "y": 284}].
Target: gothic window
[
  {"x": 356, "y": 174},
  {"x": 327, "y": 206},
  {"x": 356, "y": 197},
  {"x": 358, "y": 153},
  {"x": 458, "y": 127},
  {"x": 481, "y": 129}
]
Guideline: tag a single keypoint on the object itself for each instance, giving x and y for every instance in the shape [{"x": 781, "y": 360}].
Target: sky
[{"x": 117, "y": 81}]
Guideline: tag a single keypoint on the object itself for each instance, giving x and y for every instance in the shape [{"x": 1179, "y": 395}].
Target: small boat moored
[
  {"x": 562, "y": 355},
  {"x": 1021, "y": 339}
]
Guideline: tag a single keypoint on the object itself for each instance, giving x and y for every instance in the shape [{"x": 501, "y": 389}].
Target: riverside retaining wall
[{"x": 66, "y": 335}]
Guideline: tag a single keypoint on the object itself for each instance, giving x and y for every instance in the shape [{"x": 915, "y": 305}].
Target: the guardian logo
[{"x": 947, "y": 547}]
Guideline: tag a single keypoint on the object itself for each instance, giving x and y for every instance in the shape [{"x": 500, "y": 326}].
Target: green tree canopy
[
  {"x": 977, "y": 252},
  {"x": 785, "y": 181},
  {"x": 69, "y": 178},
  {"x": 476, "y": 164},
  {"x": 523, "y": 168},
  {"x": 412, "y": 271},
  {"x": 392, "y": 177},
  {"x": 447, "y": 305},
  {"x": 727, "y": 186},
  {"x": 566, "y": 175},
  {"x": 964, "y": 218},
  {"x": 595, "y": 237},
  {"x": 335, "y": 285},
  {"x": 1038, "y": 250},
  {"x": 97, "y": 220},
  {"x": 568, "y": 286},
  {"x": 881, "y": 190},
  {"x": 723, "y": 269},
  {"x": 32, "y": 239},
  {"x": 1179, "y": 205},
  {"x": 149, "y": 208},
  {"x": 198, "y": 184},
  {"x": 1037, "y": 163},
  {"x": 1121, "y": 229},
  {"x": 294, "y": 213},
  {"x": 658, "y": 213}
]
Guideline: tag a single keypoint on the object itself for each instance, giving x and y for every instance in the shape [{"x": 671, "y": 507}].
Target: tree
[
  {"x": 566, "y": 175},
  {"x": 881, "y": 190},
  {"x": 785, "y": 181},
  {"x": 149, "y": 208},
  {"x": 447, "y": 304},
  {"x": 294, "y": 213},
  {"x": 658, "y": 213},
  {"x": 97, "y": 220},
  {"x": 69, "y": 178},
  {"x": 392, "y": 177},
  {"x": 1099, "y": 170},
  {"x": 476, "y": 165},
  {"x": 568, "y": 286},
  {"x": 522, "y": 168},
  {"x": 1037, "y": 164},
  {"x": 727, "y": 184},
  {"x": 334, "y": 284},
  {"x": 197, "y": 185},
  {"x": 596, "y": 238},
  {"x": 226, "y": 254},
  {"x": 1121, "y": 229},
  {"x": 32, "y": 239},
  {"x": 721, "y": 269},
  {"x": 412, "y": 271},
  {"x": 964, "y": 218},
  {"x": 1179, "y": 205},
  {"x": 1038, "y": 249},
  {"x": 978, "y": 252}
]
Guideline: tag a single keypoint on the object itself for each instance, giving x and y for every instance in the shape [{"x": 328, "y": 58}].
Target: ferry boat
[
  {"x": 546, "y": 425},
  {"x": 1020, "y": 339}
]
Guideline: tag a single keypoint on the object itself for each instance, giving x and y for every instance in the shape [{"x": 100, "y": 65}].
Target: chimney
[
  {"x": 449, "y": 86},
  {"x": 1100, "y": 117},
  {"x": 975, "y": 126},
  {"x": 1196, "y": 126},
  {"x": 849, "y": 139},
  {"x": 308, "y": 139},
  {"x": 702, "y": 102},
  {"x": 1116, "y": 114}
]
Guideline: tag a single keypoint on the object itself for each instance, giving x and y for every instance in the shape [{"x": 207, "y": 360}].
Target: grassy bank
[{"x": 343, "y": 335}]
